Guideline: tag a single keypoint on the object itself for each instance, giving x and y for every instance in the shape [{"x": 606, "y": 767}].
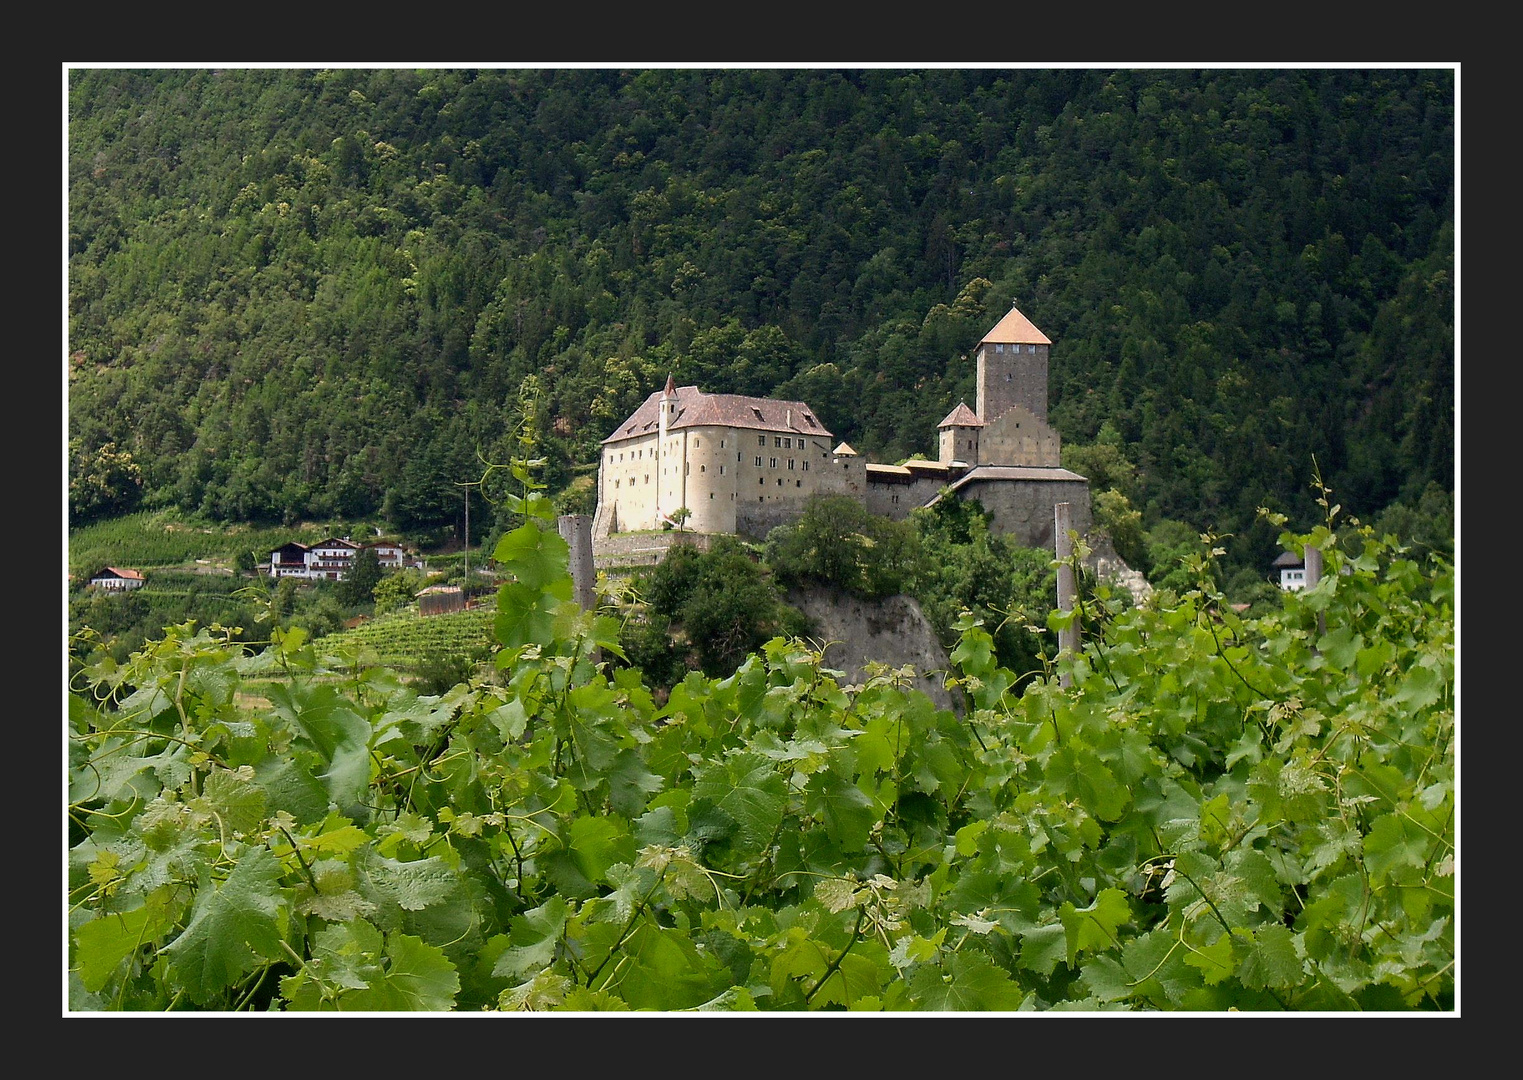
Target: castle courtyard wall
[{"x": 1023, "y": 509}]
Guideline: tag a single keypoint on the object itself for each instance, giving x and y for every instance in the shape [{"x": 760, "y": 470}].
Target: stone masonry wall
[{"x": 1023, "y": 508}]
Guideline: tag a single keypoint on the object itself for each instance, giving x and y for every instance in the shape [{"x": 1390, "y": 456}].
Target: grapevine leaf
[
  {"x": 1156, "y": 963},
  {"x": 104, "y": 942},
  {"x": 534, "y": 935},
  {"x": 1078, "y": 772},
  {"x": 233, "y": 928},
  {"x": 630, "y": 782},
  {"x": 418, "y": 978},
  {"x": 748, "y": 788},
  {"x": 1093, "y": 929},
  {"x": 1042, "y": 947},
  {"x": 525, "y": 615},
  {"x": 412, "y": 886},
  {"x": 1269, "y": 959},
  {"x": 965, "y": 982},
  {"x": 581, "y": 999},
  {"x": 1392, "y": 843},
  {"x": 598, "y": 843},
  {"x": 847, "y": 813},
  {"x": 665, "y": 970},
  {"x": 233, "y": 797},
  {"x": 837, "y": 894},
  {"x": 1215, "y": 962},
  {"x": 537, "y": 557},
  {"x": 1106, "y": 978}
]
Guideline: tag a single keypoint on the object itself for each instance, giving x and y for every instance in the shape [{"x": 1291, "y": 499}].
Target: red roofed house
[
  {"x": 115, "y": 579},
  {"x": 738, "y": 464}
]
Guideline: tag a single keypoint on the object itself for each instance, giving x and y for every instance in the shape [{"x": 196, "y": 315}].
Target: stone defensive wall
[{"x": 628, "y": 550}]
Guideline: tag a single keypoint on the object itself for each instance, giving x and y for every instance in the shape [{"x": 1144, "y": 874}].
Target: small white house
[
  {"x": 115, "y": 579},
  {"x": 1292, "y": 568}
]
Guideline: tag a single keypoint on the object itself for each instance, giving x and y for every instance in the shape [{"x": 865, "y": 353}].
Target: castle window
[
  {"x": 806, "y": 466},
  {"x": 721, "y": 470},
  {"x": 761, "y": 479},
  {"x": 788, "y": 444},
  {"x": 761, "y": 498},
  {"x": 777, "y": 440},
  {"x": 999, "y": 348},
  {"x": 647, "y": 478},
  {"x": 721, "y": 444},
  {"x": 896, "y": 500},
  {"x": 761, "y": 440},
  {"x": 779, "y": 481},
  {"x": 697, "y": 443},
  {"x": 758, "y": 461},
  {"x": 774, "y": 463},
  {"x": 798, "y": 483},
  {"x": 711, "y": 495},
  {"x": 790, "y": 463}
]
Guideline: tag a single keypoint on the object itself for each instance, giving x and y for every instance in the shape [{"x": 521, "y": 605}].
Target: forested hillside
[{"x": 318, "y": 293}]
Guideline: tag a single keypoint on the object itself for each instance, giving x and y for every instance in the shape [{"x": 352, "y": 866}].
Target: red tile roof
[
  {"x": 694, "y": 408},
  {"x": 130, "y": 575},
  {"x": 962, "y": 416},
  {"x": 1016, "y": 328}
]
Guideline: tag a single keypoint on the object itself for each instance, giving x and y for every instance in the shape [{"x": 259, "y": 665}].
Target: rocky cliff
[{"x": 891, "y": 631}]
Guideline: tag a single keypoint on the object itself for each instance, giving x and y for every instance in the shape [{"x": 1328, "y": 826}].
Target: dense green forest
[{"x": 317, "y": 294}]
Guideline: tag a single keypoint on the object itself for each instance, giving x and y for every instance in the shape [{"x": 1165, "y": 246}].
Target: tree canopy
[{"x": 317, "y": 293}]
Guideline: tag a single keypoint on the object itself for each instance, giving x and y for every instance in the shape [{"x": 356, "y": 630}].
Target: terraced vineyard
[
  {"x": 406, "y": 640},
  {"x": 159, "y": 538}
]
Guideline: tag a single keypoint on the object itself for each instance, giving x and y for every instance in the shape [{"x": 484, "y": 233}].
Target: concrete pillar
[
  {"x": 576, "y": 530},
  {"x": 1068, "y": 640},
  {"x": 1313, "y": 560}
]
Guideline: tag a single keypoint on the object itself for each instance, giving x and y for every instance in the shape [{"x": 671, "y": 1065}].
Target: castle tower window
[
  {"x": 711, "y": 495},
  {"x": 721, "y": 444},
  {"x": 761, "y": 479},
  {"x": 798, "y": 483},
  {"x": 697, "y": 443},
  {"x": 779, "y": 481},
  {"x": 705, "y": 468},
  {"x": 790, "y": 463},
  {"x": 774, "y": 463},
  {"x": 758, "y": 461},
  {"x": 806, "y": 466}
]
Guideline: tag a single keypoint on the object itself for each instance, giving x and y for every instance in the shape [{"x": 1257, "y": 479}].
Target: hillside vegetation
[{"x": 321, "y": 294}]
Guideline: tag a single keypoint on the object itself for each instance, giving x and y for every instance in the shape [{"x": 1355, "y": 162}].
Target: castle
[{"x": 744, "y": 465}]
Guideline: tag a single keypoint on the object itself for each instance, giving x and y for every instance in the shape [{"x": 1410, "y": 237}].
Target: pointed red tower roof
[
  {"x": 671, "y": 387},
  {"x": 962, "y": 416},
  {"x": 1015, "y": 328}
]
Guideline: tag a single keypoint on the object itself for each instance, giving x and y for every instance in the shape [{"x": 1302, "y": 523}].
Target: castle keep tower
[{"x": 1012, "y": 368}]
